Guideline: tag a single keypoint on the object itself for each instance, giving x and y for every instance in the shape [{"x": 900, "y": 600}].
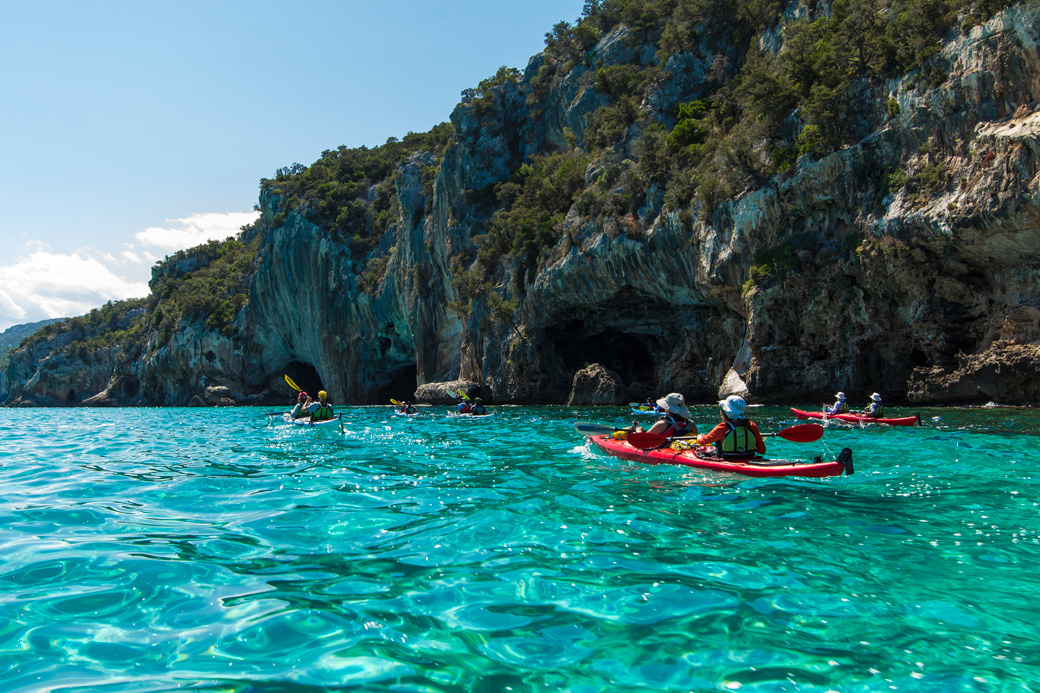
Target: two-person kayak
[
  {"x": 858, "y": 418},
  {"x": 698, "y": 457},
  {"x": 331, "y": 426}
]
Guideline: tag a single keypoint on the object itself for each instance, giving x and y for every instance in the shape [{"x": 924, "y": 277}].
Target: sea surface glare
[{"x": 209, "y": 550}]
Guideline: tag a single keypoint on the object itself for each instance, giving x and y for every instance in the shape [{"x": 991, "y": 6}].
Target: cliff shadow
[
  {"x": 306, "y": 376},
  {"x": 402, "y": 386},
  {"x": 579, "y": 343}
]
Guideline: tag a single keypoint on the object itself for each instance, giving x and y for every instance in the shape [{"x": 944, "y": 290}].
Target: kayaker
[
  {"x": 676, "y": 420},
  {"x": 874, "y": 410},
  {"x": 407, "y": 408},
  {"x": 839, "y": 407},
  {"x": 478, "y": 408},
  {"x": 464, "y": 407},
  {"x": 300, "y": 410},
  {"x": 321, "y": 411},
  {"x": 736, "y": 436}
]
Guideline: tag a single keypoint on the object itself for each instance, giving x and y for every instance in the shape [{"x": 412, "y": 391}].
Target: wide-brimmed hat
[
  {"x": 674, "y": 403},
  {"x": 840, "y": 395},
  {"x": 733, "y": 406},
  {"x": 876, "y": 397}
]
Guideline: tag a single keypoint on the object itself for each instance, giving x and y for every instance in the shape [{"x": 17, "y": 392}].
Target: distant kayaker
[
  {"x": 464, "y": 407},
  {"x": 321, "y": 410},
  {"x": 676, "y": 420},
  {"x": 300, "y": 410},
  {"x": 407, "y": 408},
  {"x": 478, "y": 408},
  {"x": 874, "y": 410},
  {"x": 736, "y": 436},
  {"x": 839, "y": 407}
]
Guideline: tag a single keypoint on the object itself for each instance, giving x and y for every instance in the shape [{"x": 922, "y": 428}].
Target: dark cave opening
[
  {"x": 401, "y": 387},
  {"x": 627, "y": 355},
  {"x": 305, "y": 375}
]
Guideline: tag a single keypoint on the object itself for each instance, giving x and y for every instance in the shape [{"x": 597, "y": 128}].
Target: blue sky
[{"x": 134, "y": 128}]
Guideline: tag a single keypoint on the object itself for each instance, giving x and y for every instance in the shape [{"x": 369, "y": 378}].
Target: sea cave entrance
[
  {"x": 305, "y": 375},
  {"x": 627, "y": 355},
  {"x": 403, "y": 383}
]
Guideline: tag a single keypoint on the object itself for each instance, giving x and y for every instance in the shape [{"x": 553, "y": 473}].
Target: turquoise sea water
[{"x": 204, "y": 549}]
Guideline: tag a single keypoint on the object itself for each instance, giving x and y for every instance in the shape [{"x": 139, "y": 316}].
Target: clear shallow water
[{"x": 202, "y": 549}]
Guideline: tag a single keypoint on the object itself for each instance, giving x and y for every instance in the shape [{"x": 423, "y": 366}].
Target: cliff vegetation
[{"x": 710, "y": 196}]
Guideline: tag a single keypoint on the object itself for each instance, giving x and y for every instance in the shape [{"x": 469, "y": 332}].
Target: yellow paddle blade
[
  {"x": 292, "y": 384},
  {"x": 394, "y": 402}
]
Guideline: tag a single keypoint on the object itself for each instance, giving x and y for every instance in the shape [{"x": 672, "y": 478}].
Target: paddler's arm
[{"x": 714, "y": 435}]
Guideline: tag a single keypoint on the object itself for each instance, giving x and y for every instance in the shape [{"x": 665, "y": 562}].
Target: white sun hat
[
  {"x": 674, "y": 403},
  {"x": 733, "y": 406}
]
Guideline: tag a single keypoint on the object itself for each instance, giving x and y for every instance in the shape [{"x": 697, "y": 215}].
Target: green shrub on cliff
[
  {"x": 533, "y": 203},
  {"x": 215, "y": 291},
  {"x": 828, "y": 81},
  {"x": 333, "y": 191}
]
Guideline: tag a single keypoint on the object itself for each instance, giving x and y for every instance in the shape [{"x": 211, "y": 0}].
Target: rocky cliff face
[{"x": 905, "y": 263}]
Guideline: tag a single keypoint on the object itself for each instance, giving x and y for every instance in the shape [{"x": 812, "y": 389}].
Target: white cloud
[
  {"x": 138, "y": 258},
  {"x": 48, "y": 285},
  {"x": 43, "y": 284},
  {"x": 194, "y": 230}
]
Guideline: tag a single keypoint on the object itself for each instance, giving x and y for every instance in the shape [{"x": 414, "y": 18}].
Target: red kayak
[
  {"x": 857, "y": 418},
  {"x": 755, "y": 467}
]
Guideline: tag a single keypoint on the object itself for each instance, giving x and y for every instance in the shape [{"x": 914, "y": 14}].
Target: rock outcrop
[
  {"x": 446, "y": 393},
  {"x": 596, "y": 385}
]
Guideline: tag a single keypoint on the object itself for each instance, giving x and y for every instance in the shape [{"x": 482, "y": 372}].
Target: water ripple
[{"x": 168, "y": 549}]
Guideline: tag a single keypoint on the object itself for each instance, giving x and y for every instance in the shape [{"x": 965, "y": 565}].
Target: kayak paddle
[
  {"x": 802, "y": 433},
  {"x": 395, "y": 402},
  {"x": 292, "y": 384}
]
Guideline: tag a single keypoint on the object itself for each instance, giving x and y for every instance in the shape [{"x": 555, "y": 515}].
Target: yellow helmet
[{"x": 322, "y": 394}]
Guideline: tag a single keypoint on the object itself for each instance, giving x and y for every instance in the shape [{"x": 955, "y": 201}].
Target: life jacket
[
  {"x": 739, "y": 442},
  {"x": 875, "y": 410},
  {"x": 676, "y": 426},
  {"x": 322, "y": 413},
  {"x": 843, "y": 408},
  {"x": 464, "y": 408},
  {"x": 478, "y": 410}
]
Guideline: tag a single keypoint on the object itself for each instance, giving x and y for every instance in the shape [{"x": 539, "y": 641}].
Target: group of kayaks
[
  {"x": 608, "y": 440},
  {"x": 450, "y": 414},
  {"x": 701, "y": 457}
]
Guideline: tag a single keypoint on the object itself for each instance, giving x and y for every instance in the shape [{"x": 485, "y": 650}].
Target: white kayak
[
  {"x": 478, "y": 417},
  {"x": 334, "y": 426}
]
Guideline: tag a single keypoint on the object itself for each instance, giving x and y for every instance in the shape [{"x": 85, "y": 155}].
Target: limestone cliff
[{"x": 902, "y": 260}]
